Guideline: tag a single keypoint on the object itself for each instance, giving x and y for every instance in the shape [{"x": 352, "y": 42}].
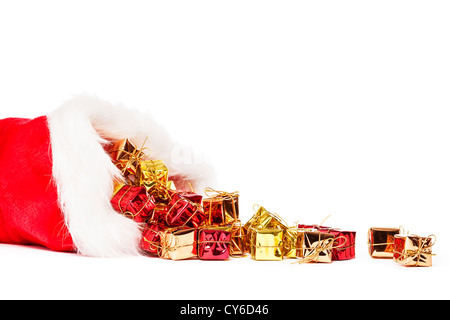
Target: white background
[{"x": 309, "y": 108}]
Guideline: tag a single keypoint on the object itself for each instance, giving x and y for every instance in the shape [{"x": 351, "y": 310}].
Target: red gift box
[
  {"x": 214, "y": 243},
  {"x": 133, "y": 202},
  {"x": 151, "y": 238},
  {"x": 184, "y": 210}
]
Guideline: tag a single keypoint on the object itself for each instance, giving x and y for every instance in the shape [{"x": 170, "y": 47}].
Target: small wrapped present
[
  {"x": 315, "y": 246},
  {"x": 290, "y": 240},
  {"x": 153, "y": 175},
  {"x": 221, "y": 207},
  {"x": 238, "y": 244},
  {"x": 214, "y": 243},
  {"x": 184, "y": 209},
  {"x": 178, "y": 243},
  {"x": 381, "y": 242},
  {"x": 263, "y": 219},
  {"x": 125, "y": 156},
  {"x": 151, "y": 238},
  {"x": 266, "y": 244},
  {"x": 414, "y": 251},
  {"x": 133, "y": 202},
  {"x": 344, "y": 243}
]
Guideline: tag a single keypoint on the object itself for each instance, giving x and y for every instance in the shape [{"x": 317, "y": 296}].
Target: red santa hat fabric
[{"x": 57, "y": 179}]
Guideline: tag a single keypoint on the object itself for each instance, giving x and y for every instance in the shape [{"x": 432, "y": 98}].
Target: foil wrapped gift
[
  {"x": 266, "y": 244},
  {"x": 344, "y": 241},
  {"x": 238, "y": 245},
  {"x": 151, "y": 238},
  {"x": 263, "y": 219},
  {"x": 214, "y": 243},
  {"x": 221, "y": 207},
  {"x": 381, "y": 242},
  {"x": 290, "y": 240},
  {"x": 184, "y": 209},
  {"x": 125, "y": 156},
  {"x": 153, "y": 175},
  {"x": 412, "y": 250},
  {"x": 315, "y": 246},
  {"x": 133, "y": 202},
  {"x": 178, "y": 243}
]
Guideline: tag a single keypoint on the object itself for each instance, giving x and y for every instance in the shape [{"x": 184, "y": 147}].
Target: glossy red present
[
  {"x": 214, "y": 243},
  {"x": 133, "y": 202},
  {"x": 151, "y": 238},
  {"x": 344, "y": 244},
  {"x": 184, "y": 209}
]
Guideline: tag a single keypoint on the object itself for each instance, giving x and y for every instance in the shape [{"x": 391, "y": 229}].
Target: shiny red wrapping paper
[
  {"x": 214, "y": 243},
  {"x": 151, "y": 238},
  {"x": 344, "y": 244},
  {"x": 184, "y": 209},
  {"x": 133, "y": 202}
]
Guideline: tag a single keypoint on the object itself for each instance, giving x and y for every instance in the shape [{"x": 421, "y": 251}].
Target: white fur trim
[{"x": 84, "y": 174}]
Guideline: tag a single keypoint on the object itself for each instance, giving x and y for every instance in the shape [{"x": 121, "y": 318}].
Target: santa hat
[{"x": 57, "y": 179}]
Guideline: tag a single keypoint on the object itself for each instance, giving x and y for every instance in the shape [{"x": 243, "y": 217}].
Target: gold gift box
[
  {"x": 238, "y": 244},
  {"x": 222, "y": 209},
  {"x": 290, "y": 242},
  {"x": 153, "y": 175},
  {"x": 381, "y": 242},
  {"x": 266, "y": 244},
  {"x": 125, "y": 156},
  {"x": 178, "y": 244},
  {"x": 412, "y": 250},
  {"x": 315, "y": 246}
]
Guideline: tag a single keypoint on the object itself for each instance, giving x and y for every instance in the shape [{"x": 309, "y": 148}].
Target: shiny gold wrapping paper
[
  {"x": 153, "y": 175},
  {"x": 125, "y": 156},
  {"x": 315, "y": 246},
  {"x": 381, "y": 242},
  {"x": 238, "y": 244},
  {"x": 412, "y": 250},
  {"x": 221, "y": 207},
  {"x": 266, "y": 244},
  {"x": 290, "y": 242},
  {"x": 178, "y": 244}
]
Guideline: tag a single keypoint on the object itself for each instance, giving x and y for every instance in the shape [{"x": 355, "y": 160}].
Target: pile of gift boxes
[{"x": 180, "y": 224}]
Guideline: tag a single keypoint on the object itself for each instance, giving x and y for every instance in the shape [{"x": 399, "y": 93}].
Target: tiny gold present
[
  {"x": 266, "y": 244},
  {"x": 221, "y": 207},
  {"x": 126, "y": 156},
  {"x": 413, "y": 251},
  {"x": 178, "y": 243},
  {"x": 153, "y": 174},
  {"x": 315, "y": 246},
  {"x": 290, "y": 242},
  {"x": 381, "y": 242},
  {"x": 238, "y": 245}
]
